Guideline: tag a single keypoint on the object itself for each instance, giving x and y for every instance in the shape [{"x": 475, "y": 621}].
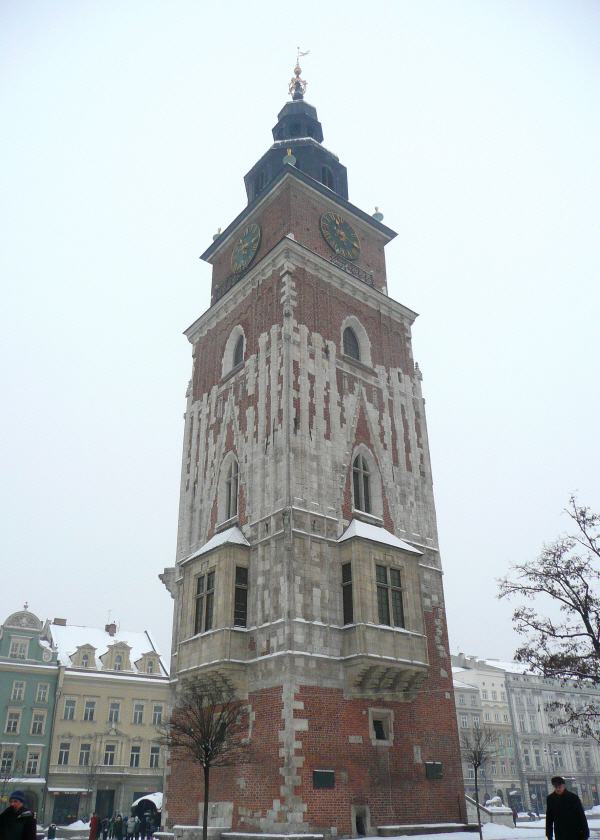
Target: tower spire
[{"x": 297, "y": 85}]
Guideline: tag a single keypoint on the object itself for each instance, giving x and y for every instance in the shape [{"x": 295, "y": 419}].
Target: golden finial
[{"x": 297, "y": 87}]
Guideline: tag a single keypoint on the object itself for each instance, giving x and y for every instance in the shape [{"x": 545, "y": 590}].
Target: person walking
[
  {"x": 17, "y": 822},
  {"x": 565, "y": 817},
  {"x": 515, "y": 814}
]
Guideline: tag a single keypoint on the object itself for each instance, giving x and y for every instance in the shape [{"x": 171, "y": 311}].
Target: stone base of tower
[{"x": 315, "y": 764}]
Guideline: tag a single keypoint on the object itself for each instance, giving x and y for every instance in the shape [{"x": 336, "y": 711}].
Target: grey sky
[{"x": 128, "y": 127}]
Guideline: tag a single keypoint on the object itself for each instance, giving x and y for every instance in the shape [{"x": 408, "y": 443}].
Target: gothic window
[
  {"x": 351, "y": 346},
  {"x": 327, "y": 177},
  {"x": 231, "y": 490},
  {"x": 205, "y": 595},
  {"x": 390, "y": 609},
  {"x": 362, "y": 484},
  {"x": 238, "y": 353},
  {"x": 347, "y": 601},
  {"x": 240, "y": 607}
]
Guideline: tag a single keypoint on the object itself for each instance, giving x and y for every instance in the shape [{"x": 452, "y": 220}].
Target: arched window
[
  {"x": 351, "y": 346},
  {"x": 85, "y": 660},
  {"x": 231, "y": 492},
  {"x": 327, "y": 177},
  {"x": 118, "y": 662},
  {"x": 362, "y": 484},
  {"x": 238, "y": 353}
]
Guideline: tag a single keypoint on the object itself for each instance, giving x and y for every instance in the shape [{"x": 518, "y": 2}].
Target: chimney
[
  {"x": 111, "y": 629},
  {"x": 60, "y": 622}
]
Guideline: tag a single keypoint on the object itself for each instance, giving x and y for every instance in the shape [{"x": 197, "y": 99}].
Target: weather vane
[{"x": 297, "y": 85}]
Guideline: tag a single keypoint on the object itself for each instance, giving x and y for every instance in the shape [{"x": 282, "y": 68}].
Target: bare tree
[
  {"x": 566, "y": 575},
  {"x": 12, "y": 766},
  {"x": 90, "y": 769},
  {"x": 205, "y": 727},
  {"x": 478, "y": 746}
]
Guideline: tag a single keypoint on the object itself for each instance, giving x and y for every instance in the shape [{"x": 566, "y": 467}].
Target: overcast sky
[{"x": 127, "y": 129}]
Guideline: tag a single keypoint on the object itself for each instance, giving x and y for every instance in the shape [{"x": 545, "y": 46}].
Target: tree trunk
[
  {"x": 477, "y": 803},
  {"x": 205, "y": 815}
]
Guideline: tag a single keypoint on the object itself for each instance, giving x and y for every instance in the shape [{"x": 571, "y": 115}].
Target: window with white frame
[
  {"x": 476, "y": 722},
  {"x": 473, "y": 699},
  {"x": 38, "y": 723},
  {"x": 134, "y": 757},
  {"x": 109, "y": 755},
  {"x": 69, "y": 709},
  {"x": 63, "y": 753},
  {"x": 114, "y": 711},
  {"x": 84, "y": 755},
  {"x": 33, "y": 764},
  {"x": 89, "y": 710},
  {"x": 154, "y": 756},
  {"x": 18, "y": 649},
  {"x": 157, "y": 713},
  {"x": 42, "y": 693},
  {"x": 13, "y": 722},
  {"x": 138, "y": 715},
  {"x": 461, "y": 700},
  {"x": 464, "y": 722},
  {"x": 7, "y": 758},
  {"x": 18, "y": 690}
]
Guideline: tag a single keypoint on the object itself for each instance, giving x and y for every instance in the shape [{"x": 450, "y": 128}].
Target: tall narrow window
[
  {"x": 42, "y": 693},
  {"x": 210, "y": 599},
  {"x": 362, "y": 488},
  {"x": 63, "y": 753},
  {"x": 33, "y": 763},
  {"x": 327, "y": 177},
  {"x": 154, "y": 756},
  {"x": 389, "y": 596},
  {"x": 205, "y": 594},
  {"x": 238, "y": 353},
  {"x": 347, "y": 593},
  {"x": 37, "y": 723},
  {"x": 109, "y": 755},
  {"x": 85, "y": 660},
  {"x": 89, "y": 709},
  {"x": 113, "y": 712},
  {"x": 69, "y": 710},
  {"x": 231, "y": 485},
  {"x": 134, "y": 757},
  {"x": 351, "y": 346},
  {"x": 118, "y": 662},
  {"x": 240, "y": 608},
  {"x": 7, "y": 762},
  {"x": 84, "y": 755}
]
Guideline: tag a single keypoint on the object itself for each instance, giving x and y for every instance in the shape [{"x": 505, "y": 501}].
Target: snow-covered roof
[
  {"x": 157, "y": 798},
  {"x": 68, "y": 639},
  {"x": 463, "y": 685},
  {"x": 373, "y": 532},
  {"x": 231, "y": 535}
]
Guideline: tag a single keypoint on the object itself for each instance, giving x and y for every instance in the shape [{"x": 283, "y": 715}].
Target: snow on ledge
[
  {"x": 373, "y": 532},
  {"x": 231, "y": 535}
]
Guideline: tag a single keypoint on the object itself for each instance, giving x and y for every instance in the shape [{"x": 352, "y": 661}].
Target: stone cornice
[{"x": 286, "y": 256}]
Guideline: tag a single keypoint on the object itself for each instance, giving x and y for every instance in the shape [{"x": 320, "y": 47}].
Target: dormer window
[
  {"x": 85, "y": 660},
  {"x": 118, "y": 662},
  {"x": 150, "y": 666},
  {"x": 327, "y": 177}
]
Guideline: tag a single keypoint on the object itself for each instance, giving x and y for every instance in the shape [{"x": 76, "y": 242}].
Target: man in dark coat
[
  {"x": 17, "y": 822},
  {"x": 565, "y": 817}
]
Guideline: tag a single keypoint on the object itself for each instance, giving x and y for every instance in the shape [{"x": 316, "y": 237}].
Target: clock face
[
  {"x": 245, "y": 248},
  {"x": 340, "y": 235}
]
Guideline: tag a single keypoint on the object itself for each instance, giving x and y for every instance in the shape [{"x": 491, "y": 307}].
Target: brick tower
[{"x": 308, "y": 574}]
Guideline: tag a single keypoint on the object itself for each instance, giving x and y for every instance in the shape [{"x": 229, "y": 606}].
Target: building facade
[
  {"x": 542, "y": 749},
  {"x": 308, "y": 575},
  {"x": 112, "y": 695},
  {"x": 482, "y": 702},
  {"x": 28, "y": 680}
]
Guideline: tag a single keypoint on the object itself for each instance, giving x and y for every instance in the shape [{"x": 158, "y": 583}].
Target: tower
[{"x": 308, "y": 574}]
